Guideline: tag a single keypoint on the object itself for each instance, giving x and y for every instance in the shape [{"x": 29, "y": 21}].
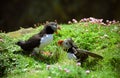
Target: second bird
[{"x": 74, "y": 52}]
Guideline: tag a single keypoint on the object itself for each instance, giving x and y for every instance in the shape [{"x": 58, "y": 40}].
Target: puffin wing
[
  {"x": 87, "y": 52},
  {"x": 91, "y": 54},
  {"x": 33, "y": 42}
]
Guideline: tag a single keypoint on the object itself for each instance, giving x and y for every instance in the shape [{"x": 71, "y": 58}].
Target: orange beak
[
  {"x": 58, "y": 29},
  {"x": 60, "y": 42}
]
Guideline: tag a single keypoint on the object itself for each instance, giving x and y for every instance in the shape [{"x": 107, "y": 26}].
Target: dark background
[{"x": 24, "y": 13}]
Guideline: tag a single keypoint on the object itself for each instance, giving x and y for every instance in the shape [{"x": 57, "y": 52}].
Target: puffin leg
[{"x": 35, "y": 51}]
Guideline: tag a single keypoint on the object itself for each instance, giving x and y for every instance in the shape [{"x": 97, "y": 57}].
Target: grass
[{"x": 103, "y": 40}]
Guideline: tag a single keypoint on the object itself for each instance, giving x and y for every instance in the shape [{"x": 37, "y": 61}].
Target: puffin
[
  {"x": 38, "y": 41},
  {"x": 73, "y": 52}
]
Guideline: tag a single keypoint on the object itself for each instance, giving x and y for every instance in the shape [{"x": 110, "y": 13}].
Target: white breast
[
  {"x": 71, "y": 56},
  {"x": 45, "y": 40}
]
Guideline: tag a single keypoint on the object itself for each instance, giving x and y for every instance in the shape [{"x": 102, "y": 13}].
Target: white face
[
  {"x": 54, "y": 26},
  {"x": 66, "y": 44}
]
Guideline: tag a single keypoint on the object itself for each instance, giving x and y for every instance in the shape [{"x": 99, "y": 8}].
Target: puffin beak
[
  {"x": 56, "y": 32},
  {"x": 60, "y": 42},
  {"x": 58, "y": 28}
]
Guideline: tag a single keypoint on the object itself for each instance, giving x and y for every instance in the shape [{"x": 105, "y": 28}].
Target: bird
[
  {"x": 39, "y": 40},
  {"x": 74, "y": 52}
]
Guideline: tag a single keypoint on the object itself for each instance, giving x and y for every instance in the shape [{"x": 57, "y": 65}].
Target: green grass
[{"x": 103, "y": 40}]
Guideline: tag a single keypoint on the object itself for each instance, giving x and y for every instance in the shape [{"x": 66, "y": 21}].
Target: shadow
[
  {"x": 48, "y": 59},
  {"x": 90, "y": 64},
  {"x": 2, "y": 71},
  {"x": 115, "y": 62}
]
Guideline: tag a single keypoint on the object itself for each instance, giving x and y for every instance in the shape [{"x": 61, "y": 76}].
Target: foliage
[{"x": 103, "y": 40}]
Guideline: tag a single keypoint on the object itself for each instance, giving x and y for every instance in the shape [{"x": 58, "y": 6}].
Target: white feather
[
  {"x": 45, "y": 40},
  {"x": 71, "y": 56}
]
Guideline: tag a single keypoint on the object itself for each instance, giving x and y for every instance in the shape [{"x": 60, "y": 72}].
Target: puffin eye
[
  {"x": 66, "y": 43},
  {"x": 54, "y": 24}
]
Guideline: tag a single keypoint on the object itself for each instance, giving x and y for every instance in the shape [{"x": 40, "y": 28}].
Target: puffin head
[
  {"x": 66, "y": 44},
  {"x": 52, "y": 27}
]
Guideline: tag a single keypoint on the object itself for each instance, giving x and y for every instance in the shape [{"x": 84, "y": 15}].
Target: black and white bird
[
  {"x": 74, "y": 52},
  {"x": 39, "y": 40}
]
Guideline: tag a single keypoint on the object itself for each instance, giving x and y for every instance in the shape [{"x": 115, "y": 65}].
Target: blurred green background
[{"x": 24, "y": 13}]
